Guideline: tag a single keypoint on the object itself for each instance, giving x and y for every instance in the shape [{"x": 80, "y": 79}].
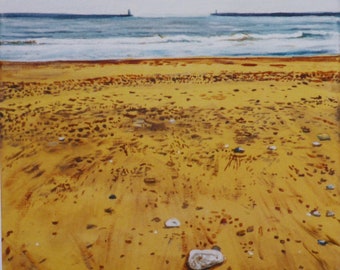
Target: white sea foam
[{"x": 36, "y": 40}]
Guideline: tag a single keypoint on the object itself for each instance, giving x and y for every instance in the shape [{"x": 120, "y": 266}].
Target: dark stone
[{"x": 112, "y": 197}]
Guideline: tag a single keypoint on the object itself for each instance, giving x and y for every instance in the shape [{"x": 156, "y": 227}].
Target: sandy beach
[{"x": 97, "y": 156}]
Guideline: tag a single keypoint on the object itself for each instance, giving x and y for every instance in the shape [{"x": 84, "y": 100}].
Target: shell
[
  {"x": 316, "y": 144},
  {"x": 322, "y": 242},
  {"x": 324, "y": 137},
  {"x": 330, "y": 213},
  {"x": 272, "y": 147},
  {"x": 172, "y": 223},
  {"x": 203, "y": 259},
  {"x": 315, "y": 213},
  {"x": 330, "y": 187}
]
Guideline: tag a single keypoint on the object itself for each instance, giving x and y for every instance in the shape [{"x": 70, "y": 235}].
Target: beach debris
[
  {"x": 150, "y": 181},
  {"x": 172, "y": 223},
  {"x": 238, "y": 150},
  {"x": 324, "y": 137},
  {"x": 61, "y": 139},
  {"x": 316, "y": 144},
  {"x": 330, "y": 213},
  {"x": 315, "y": 213},
  {"x": 330, "y": 187},
  {"x": 322, "y": 242},
  {"x": 112, "y": 197},
  {"x": 272, "y": 147},
  {"x": 172, "y": 121},
  {"x": 203, "y": 259}
]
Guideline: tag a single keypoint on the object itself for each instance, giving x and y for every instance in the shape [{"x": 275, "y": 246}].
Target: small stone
[
  {"x": 316, "y": 144},
  {"x": 112, "y": 197},
  {"x": 156, "y": 219},
  {"x": 224, "y": 221},
  {"x": 226, "y": 146},
  {"x": 172, "y": 223},
  {"x": 330, "y": 187},
  {"x": 241, "y": 233},
  {"x": 150, "y": 181},
  {"x": 305, "y": 129},
  {"x": 315, "y": 213},
  {"x": 203, "y": 259},
  {"x": 216, "y": 248},
  {"x": 272, "y": 147},
  {"x": 238, "y": 150},
  {"x": 250, "y": 229},
  {"x": 322, "y": 242},
  {"x": 61, "y": 139},
  {"x": 330, "y": 213},
  {"x": 172, "y": 121},
  {"x": 324, "y": 137}
]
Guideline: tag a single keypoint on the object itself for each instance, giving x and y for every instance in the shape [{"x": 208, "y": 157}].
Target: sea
[{"x": 49, "y": 37}]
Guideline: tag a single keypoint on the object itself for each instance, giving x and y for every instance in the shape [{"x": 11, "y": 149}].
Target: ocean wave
[
  {"x": 18, "y": 42},
  {"x": 280, "y": 36}
]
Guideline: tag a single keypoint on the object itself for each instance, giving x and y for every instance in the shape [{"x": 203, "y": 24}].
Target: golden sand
[{"x": 96, "y": 156}]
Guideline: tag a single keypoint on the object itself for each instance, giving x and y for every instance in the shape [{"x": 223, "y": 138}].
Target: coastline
[{"x": 159, "y": 135}]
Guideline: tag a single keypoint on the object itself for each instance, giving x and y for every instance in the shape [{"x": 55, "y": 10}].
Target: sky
[{"x": 167, "y": 7}]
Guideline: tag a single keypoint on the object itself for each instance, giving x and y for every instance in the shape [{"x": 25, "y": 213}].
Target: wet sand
[{"x": 96, "y": 156}]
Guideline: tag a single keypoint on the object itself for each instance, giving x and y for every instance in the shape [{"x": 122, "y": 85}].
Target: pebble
[
  {"x": 172, "y": 121},
  {"x": 272, "y": 147},
  {"x": 322, "y": 242},
  {"x": 112, "y": 197},
  {"x": 324, "y": 137},
  {"x": 172, "y": 223},
  {"x": 315, "y": 213},
  {"x": 150, "y": 181},
  {"x": 316, "y": 144},
  {"x": 330, "y": 187},
  {"x": 226, "y": 146},
  {"x": 239, "y": 150},
  {"x": 203, "y": 259},
  {"x": 330, "y": 213},
  {"x": 250, "y": 253},
  {"x": 61, "y": 139}
]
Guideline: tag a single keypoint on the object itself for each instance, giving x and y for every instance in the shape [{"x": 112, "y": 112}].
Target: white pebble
[
  {"x": 272, "y": 147},
  {"x": 316, "y": 144},
  {"x": 172, "y": 223}
]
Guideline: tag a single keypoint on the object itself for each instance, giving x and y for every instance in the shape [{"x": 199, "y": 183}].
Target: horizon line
[{"x": 216, "y": 13}]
